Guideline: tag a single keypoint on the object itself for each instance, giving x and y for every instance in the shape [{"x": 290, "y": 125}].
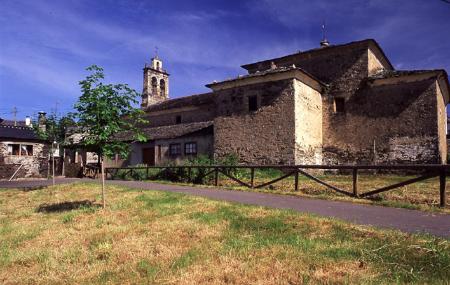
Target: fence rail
[{"x": 425, "y": 171}]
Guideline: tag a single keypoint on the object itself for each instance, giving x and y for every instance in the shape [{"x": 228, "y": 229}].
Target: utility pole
[{"x": 14, "y": 112}]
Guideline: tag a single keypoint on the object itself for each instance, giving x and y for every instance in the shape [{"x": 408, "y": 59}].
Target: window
[
  {"x": 178, "y": 119},
  {"x": 174, "y": 149},
  {"x": 20, "y": 149},
  {"x": 154, "y": 85},
  {"x": 162, "y": 86},
  {"x": 190, "y": 148},
  {"x": 339, "y": 105},
  {"x": 252, "y": 103}
]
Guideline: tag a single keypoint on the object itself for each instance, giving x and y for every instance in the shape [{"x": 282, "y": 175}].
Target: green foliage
[
  {"x": 55, "y": 128},
  {"x": 105, "y": 110}
]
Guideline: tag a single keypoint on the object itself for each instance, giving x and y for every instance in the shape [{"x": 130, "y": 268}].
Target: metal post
[
  {"x": 296, "y": 180},
  {"x": 252, "y": 177},
  {"x": 53, "y": 164},
  {"x": 443, "y": 198},
  {"x": 355, "y": 182},
  {"x": 146, "y": 173},
  {"x": 189, "y": 173},
  {"x": 216, "y": 176},
  {"x": 103, "y": 182}
]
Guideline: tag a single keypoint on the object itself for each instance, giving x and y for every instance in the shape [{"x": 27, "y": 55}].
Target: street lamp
[{"x": 54, "y": 144}]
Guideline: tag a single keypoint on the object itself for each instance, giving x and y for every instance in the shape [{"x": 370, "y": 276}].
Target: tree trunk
[{"x": 103, "y": 182}]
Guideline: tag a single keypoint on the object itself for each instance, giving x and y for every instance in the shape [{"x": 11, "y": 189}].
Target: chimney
[
  {"x": 324, "y": 43},
  {"x": 27, "y": 121},
  {"x": 41, "y": 120}
]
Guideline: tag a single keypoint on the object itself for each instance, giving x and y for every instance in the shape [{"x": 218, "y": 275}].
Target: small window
[
  {"x": 20, "y": 149},
  {"x": 339, "y": 105},
  {"x": 13, "y": 149},
  {"x": 178, "y": 119},
  {"x": 252, "y": 103},
  {"x": 175, "y": 149},
  {"x": 190, "y": 148}
]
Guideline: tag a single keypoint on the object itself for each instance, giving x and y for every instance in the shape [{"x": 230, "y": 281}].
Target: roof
[
  {"x": 192, "y": 100},
  {"x": 268, "y": 72},
  {"x": 383, "y": 74},
  {"x": 440, "y": 75},
  {"x": 18, "y": 133},
  {"x": 171, "y": 131},
  {"x": 326, "y": 49},
  {"x": 4, "y": 122}
]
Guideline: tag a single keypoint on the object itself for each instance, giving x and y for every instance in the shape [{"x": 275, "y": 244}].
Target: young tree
[
  {"x": 53, "y": 130},
  {"x": 102, "y": 112}
]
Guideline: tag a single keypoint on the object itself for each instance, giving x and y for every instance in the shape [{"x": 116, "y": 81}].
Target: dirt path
[{"x": 411, "y": 221}]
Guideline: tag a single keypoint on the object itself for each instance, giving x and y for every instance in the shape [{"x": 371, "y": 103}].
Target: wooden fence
[{"x": 425, "y": 171}]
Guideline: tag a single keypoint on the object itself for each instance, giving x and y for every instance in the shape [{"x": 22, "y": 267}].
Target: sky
[{"x": 45, "y": 45}]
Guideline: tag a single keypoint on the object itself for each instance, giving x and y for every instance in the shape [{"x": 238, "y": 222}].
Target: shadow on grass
[{"x": 66, "y": 206}]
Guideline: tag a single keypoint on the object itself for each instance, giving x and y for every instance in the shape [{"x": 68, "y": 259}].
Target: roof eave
[{"x": 266, "y": 77}]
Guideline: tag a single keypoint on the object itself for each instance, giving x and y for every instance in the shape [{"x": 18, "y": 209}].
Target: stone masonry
[{"x": 335, "y": 104}]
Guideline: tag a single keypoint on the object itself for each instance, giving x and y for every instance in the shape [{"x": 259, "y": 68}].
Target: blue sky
[{"x": 45, "y": 45}]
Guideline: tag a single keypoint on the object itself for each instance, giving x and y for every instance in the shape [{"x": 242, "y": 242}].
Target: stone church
[{"x": 336, "y": 104}]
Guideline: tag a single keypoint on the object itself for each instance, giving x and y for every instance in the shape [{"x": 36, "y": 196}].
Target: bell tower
[{"x": 156, "y": 83}]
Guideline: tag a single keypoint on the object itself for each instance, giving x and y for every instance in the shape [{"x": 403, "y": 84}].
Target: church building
[{"x": 336, "y": 104}]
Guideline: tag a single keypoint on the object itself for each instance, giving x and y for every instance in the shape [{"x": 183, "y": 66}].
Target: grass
[
  {"x": 149, "y": 237},
  {"x": 422, "y": 195}
]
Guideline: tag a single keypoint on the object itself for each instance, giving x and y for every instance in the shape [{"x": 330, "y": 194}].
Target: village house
[
  {"x": 22, "y": 152},
  {"x": 336, "y": 104}
]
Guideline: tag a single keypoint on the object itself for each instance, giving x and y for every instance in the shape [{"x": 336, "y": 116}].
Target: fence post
[
  {"x": 131, "y": 173},
  {"x": 443, "y": 198},
  {"x": 216, "y": 176},
  {"x": 296, "y": 180},
  {"x": 355, "y": 182},
  {"x": 189, "y": 173},
  {"x": 146, "y": 173},
  {"x": 252, "y": 176}
]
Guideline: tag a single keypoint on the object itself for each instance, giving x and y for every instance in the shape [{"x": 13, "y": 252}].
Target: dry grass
[
  {"x": 423, "y": 195},
  {"x": 166, "y": 238}
]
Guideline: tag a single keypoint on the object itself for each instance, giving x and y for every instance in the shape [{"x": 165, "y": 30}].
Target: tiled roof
[
  {"x": 309, "y": 53},
  {"x": 172, "y": 131},
  {"x": 267, "y": 72},
  {"x": 4, "y": 122},
  {"x": 192, "y": 100},
  {"x": 398, "y": 73},
  {"x": 18, "y": 133}
]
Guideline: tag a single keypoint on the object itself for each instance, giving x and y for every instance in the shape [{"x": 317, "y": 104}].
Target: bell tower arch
[{"x": 156, "y": 83}]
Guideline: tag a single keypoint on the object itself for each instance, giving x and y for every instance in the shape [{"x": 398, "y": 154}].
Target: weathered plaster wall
[
  {"x": 308, "y": 124},
  {"x": 265, "y": 136},
  {"x": 374, "y": 64},
  {"x": 385, "y": 122},
  {"x": 33, "y": 166},
  {"x": 204, "y": 147},
  {"x": 442, "y": 124}
]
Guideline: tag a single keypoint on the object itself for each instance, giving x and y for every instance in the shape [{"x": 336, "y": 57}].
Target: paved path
[{"x": 411, "y": 221}]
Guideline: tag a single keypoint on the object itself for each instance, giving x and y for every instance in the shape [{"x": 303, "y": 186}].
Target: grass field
[
  {"x": 59, "y": 235},
  {"x": 422, "y": 195}
]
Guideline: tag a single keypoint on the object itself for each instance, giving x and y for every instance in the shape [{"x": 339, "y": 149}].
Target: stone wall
[
  {"x": 33, "y": 166},
  {"x": 384, "y": 122},
  {"x": 194, "y": 108},
  {"x": 264, "y": 136},
  {"x": 187, "y": 115},
  {"x": 203, "y": 138},
  {"x": 308, "y": 124}
]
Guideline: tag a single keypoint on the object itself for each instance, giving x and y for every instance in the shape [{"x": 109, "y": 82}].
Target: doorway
[{"x": 148, "y": 156}]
